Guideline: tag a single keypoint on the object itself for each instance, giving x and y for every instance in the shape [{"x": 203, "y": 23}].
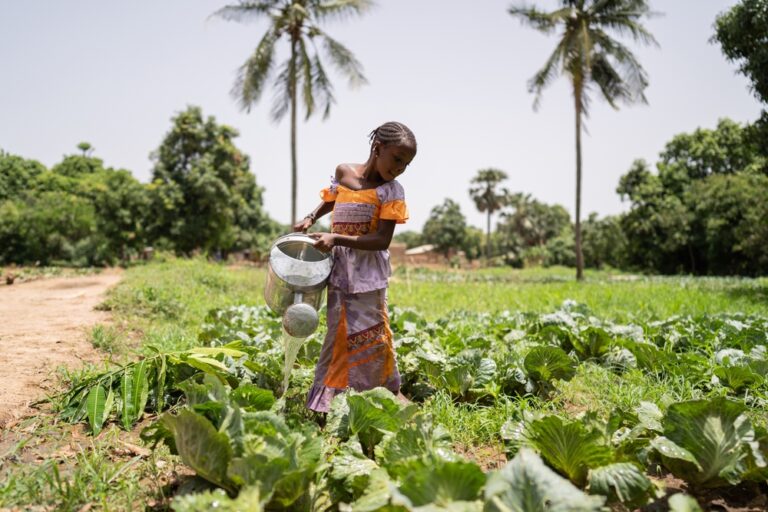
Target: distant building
[{"x": 424, "y": 255}]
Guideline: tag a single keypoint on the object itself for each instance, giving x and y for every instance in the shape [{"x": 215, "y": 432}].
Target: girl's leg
[
  {"x": 371, "y": 354},
  {"x": 321, "y": 394}
]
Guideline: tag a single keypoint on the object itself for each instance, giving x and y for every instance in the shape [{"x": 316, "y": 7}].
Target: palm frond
[
  {"x": 304, "y": 64},
  {"x": 623, "y": 17},
  {"x": 342, "y": 9},
  {"x": 323, "y": 87},
  {"x": 246, "y": 10},
  {"x": 251, "y": 77},
  {"x": 608, "y": 80},
  {"x": 298, "y": 12},
  {"x": 540, "y": 20},
  {"x": 631, "y": 72},
  {"x": 547, "y": 74},
  {"x": 344, "y": 61},
  {"x": 282, "y": 100}
]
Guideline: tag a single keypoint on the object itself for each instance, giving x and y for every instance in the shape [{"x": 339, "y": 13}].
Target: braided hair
[{"x": 393, "y": 132}]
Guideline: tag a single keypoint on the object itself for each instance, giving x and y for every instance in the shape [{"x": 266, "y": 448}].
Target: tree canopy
[
  {"x": 203, "y": 193},
  {"x": 445, "y": 227}
]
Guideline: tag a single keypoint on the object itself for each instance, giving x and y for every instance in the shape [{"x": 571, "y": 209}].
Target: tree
[
  {"x": 535, "y": 232},
  {"x": 86, "y": 148},
  {"x": 297, "y": 22},
  {"x": 473, "y": 243},
  {"x": 742, "y": 32},
  {"x": 729, "y": 216},
  {"x": 590, "y": 57},
  {"x": 446, "y": 227},
  {"x": 203, "y": 193},
  {"x": 487, "y": 198},
  {"x": 657, "y": 226},
  {"x": 534, "y": 222},
  {"x": 685, "y": 217},
  {"x": 604, "y": 242},
  {"x": 17, "y": 175},
  {"x": 728, "y": 149}
]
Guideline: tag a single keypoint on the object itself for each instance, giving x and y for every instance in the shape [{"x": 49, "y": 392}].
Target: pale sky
[{"x": 115, "y": 73}]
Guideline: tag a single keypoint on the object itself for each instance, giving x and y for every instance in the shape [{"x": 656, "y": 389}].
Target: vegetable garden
[{"x": 547, "y": 408}]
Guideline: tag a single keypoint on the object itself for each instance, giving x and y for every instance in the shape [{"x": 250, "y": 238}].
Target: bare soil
[{"x": 44, "y": 324}]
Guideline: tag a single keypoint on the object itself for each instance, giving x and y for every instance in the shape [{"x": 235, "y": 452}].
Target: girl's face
[{"x": 392, "y": 159}]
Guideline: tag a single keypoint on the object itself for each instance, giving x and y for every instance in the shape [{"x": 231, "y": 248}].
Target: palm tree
[
  {"x": 298, "y": 23},
  {"x": 590, "y": 57},
  {"x": 488, "y": 199}
]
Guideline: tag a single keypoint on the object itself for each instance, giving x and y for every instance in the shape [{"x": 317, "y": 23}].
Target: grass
[
  {"x": 58, "y": 467},
  {"x": 165, "y": 304},
  {"x": 618, "y": 297}
]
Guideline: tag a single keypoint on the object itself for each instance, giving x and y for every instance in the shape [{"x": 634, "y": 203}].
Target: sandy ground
[{"x": 45, "y": 324}]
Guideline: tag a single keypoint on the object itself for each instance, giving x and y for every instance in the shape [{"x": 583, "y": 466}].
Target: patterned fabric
[
  {"x": 355, "y": 213},
  {"x": 357, "y": 352}
]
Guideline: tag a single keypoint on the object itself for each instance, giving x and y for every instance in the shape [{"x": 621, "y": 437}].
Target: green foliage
[
  {"x": 730, "y": 222},
  {"x": 248, "y": 499},
  {"x": 683, "y": 503},
  {"x": 445, "y": 227},
  {"x": 17, "y": 175},
  {"x": 704, "y": 212},
  {"x": 525, "y": 484},
  {"x": 708, "y": 442},
  {"x": 569, "y": 447},
  {"x": 742, "y": 31},
  {"x": 532, "y": 222},
  {"x": 487, "y": 198},
  {"x": 203, "y": 194},
  {"x": 79, "y": 213},
  {"x": 621, "y": 481},
  {"x": 604, "y": 242}
]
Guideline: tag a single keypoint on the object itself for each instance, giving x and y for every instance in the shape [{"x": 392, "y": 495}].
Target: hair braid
[{"x": 393, "y": 132}]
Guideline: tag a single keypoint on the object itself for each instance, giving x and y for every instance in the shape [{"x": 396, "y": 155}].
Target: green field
[{"x": 606, "y": 366}]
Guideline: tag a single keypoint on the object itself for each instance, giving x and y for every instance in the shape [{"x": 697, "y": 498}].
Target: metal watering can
[{"x": 296, "y": 280}]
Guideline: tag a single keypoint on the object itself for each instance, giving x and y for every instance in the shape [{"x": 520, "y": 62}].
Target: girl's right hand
[
  {"x": 324, "y": 242},
  {"x": 303, "y": 225}
]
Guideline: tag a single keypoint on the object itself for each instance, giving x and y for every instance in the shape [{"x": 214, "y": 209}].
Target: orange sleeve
[
  {"x": 394, "y": 210},
  {"x": 329, "y": 195}
]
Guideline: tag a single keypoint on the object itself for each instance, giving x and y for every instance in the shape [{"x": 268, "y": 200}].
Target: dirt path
[{"x": 45, "y": 324}]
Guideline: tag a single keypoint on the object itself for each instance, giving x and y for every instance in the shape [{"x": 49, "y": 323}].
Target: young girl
[{"x": 366, "y": 202}]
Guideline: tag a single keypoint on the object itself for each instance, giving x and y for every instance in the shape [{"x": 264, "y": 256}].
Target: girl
[{"x": 366, "y": 202}]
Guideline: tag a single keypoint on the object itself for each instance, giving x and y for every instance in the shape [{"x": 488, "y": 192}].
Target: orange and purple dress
[{"x": 358, "y": 351}]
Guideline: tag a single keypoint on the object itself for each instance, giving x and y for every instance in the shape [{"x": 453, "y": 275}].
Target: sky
[{"x": 115, "y": 74}]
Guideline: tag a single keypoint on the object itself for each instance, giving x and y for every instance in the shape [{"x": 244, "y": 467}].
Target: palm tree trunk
[
  {"x": 488, "y": 238},
  {"x": 293, "y": 92},
  {"x": 579, "y": 254}
]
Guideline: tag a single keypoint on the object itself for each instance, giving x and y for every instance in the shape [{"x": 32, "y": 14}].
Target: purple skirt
[{"x": 357, "y": 352}]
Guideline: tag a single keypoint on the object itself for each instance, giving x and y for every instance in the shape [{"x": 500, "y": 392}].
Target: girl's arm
[
  {"x": 306, "y": 223},
  {"x": 378, "y": 241}
]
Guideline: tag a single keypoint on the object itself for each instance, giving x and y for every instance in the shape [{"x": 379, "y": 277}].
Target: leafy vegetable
[{"x": 525, "y": 484}]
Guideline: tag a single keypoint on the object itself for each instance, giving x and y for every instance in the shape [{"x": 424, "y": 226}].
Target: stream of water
[{"x": 291, "y": 345}]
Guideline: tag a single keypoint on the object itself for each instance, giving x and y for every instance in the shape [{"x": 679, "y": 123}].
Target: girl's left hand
[{"x": 324, "y": 241}]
